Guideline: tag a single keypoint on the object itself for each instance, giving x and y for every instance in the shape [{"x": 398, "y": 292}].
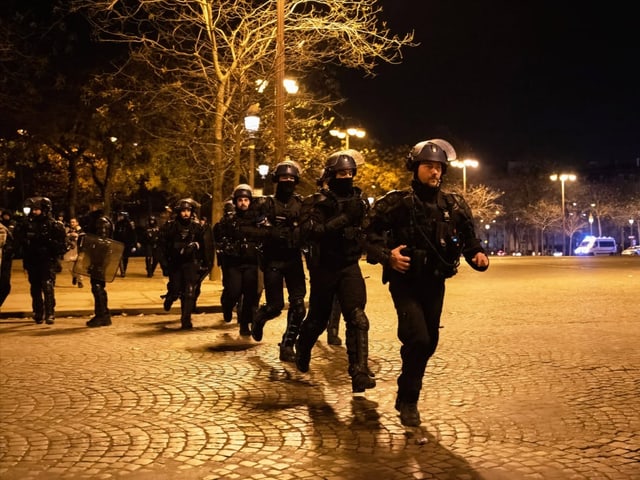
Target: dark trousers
[
  {"x": 276, "y": 275},
  {"x": 241, "y": 280},
  {"x": 347, "y": 284},
  {"x": 418, "y": 303},
  {"x": 183, "y": 280},
  {"x": 42, "y": 279}
]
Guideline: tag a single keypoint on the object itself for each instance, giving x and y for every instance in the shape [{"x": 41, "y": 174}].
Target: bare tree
[
  {"x": 543, "y": 215},
  {"x": 208, "y": 54}
]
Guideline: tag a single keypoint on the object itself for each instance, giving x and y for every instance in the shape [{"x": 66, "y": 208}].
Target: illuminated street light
[
  {"x": 563, "y": 177},
  {"x": 252, "y": 125},
  {"x": 345, "y": 134},
  {"x": 463, "y": 164}
]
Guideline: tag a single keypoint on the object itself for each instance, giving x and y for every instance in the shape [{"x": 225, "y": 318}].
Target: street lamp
[
  {"x": 631, "y": 232},
  {"x": 463, "y": 164},
  {"x": 345, "y": 134},
  {"x": 251, "y": 125},
  {"x": 563, "y": 177}
]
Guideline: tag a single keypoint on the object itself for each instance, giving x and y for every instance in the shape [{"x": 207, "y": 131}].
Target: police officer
[
  {"x": 282, "y": 257},
  {"x": 182, "y": 243},
  {"x": 418, "y": 236},
  {"x": 330, "y": 224},
  {"x": 125, "y": 232},
  {"x": 241, "y": 259},
  {"x": 98, "y": 224},
  {"x": 43, "y": 240},
  {"x": 8, "y": 248},
  {"x": 151, "y": 246}
]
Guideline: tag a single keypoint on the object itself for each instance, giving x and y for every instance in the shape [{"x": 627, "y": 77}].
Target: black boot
[
  {"x": 102, "y": 316},
  {"x": 49, "y": 303},
  {"x": 409, "y": 415}
]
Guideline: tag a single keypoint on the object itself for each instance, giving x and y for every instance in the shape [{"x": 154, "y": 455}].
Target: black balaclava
[
  {"x": 343, "y": 187},
  {"x": 183, "y": 220},
  {"x": 284, "y": 190}
]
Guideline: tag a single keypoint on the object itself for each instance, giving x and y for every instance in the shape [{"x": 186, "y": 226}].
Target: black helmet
[
  {"x": 435, "y": 150},
  {"x": 288, "y": 167},
  {"x": 187, "y": 204},
  {"x": 104, "y": 227},
  {"x": 41, "y": 203},
  {"x": 341, "y": 160}
]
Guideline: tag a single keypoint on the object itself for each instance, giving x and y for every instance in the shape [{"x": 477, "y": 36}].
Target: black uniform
[
  {"x": 7, "y": 255},
  {"x": 97, "y": 223},
  {"x": 182, "y": 244},
  {"x": 282, "y": 263},
  {"x": 125, "y": 232},
  {"x": 436, "y": 228},
  {"x": 151, "y": 246},
  {"x": 44, "y": 241},
  {"x": 330, "y": 224},
  {"x": 239, "y": 253}
]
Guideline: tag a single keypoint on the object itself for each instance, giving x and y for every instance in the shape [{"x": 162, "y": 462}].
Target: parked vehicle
[
  {"x": 597, "y": 246},
  {"x": 632, "y": 251}
]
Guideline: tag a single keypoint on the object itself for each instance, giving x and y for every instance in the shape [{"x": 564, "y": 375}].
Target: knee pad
[{"x": 358, "y": 319}]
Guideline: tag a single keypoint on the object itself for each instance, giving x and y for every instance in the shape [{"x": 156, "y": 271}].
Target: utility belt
[{"x": 430, "y": 263}]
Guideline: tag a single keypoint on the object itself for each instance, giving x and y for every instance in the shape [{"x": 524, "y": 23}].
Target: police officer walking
[
  {"x": 151, "y": 246},
  {"x": 282, "y": 257},
  {"x": 43, "y": 240},
  {"x": 182, "y": 246},
  {"x": 94, "y": 244},
  {"x": 241, "y": 259},
  {"x": 330, "y": 224},
  {"x": 418, "y": 236}
]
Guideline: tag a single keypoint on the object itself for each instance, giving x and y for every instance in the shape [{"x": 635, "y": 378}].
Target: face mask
[
  {"x": 285, "y": 188},
  {"x": 341, "y": 186}
]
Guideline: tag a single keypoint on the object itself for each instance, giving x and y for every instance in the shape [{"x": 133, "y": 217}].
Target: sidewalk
[{"x": 132, "y": 295}]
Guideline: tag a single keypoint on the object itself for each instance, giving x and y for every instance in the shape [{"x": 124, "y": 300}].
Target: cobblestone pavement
[{"x": 536, "y": 377}]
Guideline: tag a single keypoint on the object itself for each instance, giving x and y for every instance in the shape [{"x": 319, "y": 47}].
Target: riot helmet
[
  {"x": 187, "y": 204},
  {"x": 287, "y": 167},
  {"x": 40, "y": 203},
  {"x": 242, "y": 190},
  {"x": 104, "y": 227},
  {"x": 341, "y": 160},
  {"x": 435, "y": 150}
]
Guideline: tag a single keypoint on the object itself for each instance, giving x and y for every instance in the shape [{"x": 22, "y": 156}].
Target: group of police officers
[{"x": 417, "y": 234}]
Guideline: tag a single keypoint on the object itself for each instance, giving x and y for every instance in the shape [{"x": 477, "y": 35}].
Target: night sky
[{"x": 505, "y": 80}]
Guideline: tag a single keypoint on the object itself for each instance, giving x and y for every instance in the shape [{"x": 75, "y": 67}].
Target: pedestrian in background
[
  {"x": 8, "y": 250},
  {"x": 418, "y": 235},
  {"x": 241, "y": 259},
  {"x": 73, "y": 231},
  {"x": 330, "y": 225},
  {"x": 282, "y": 257},
  {"x": 43, "y": 241}
]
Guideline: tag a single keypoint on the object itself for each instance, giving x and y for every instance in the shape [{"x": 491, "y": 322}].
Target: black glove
[{"x": 190, "y": 248}]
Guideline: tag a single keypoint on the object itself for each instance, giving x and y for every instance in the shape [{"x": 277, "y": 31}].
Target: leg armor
[
  {"x": 334, "y": 324},
  {"x": 49, "y": 300},
  {"x": 358, "y": 350},
  {"x": 295, "y": 315}
]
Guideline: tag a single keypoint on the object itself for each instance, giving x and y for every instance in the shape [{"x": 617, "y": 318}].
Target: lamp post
[
  {"x": 345, "y": 134},
  {"x": 463, "y": 164},
  {"x": 251, "y": 125},
  {"x": 631, "y": 237},
  {"x": 280, "y": 88},
  {"x": 563, "y": 177}
]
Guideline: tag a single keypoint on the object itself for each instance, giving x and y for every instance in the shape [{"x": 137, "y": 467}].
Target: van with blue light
[{"x": 597, "y": 246}]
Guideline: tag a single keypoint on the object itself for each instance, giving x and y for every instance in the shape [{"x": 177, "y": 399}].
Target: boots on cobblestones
[
  {"x": 361, "y": 381},
  {"x": 257, "y": 329},
  {"x": 186, "y": 325},
  {"x": 168, "y": 301},
  {"x": 409, "y": 415},
  {"x": 50, "y": 320},
  {"x": 303, "y": 358},
  {"x": 287, "y": 354},
  {"x": 245, "y": 330},
  {"x": 333, "y": 338},
  {"x": 99, "y": 322},
  {"x": 38, "y": 319}
]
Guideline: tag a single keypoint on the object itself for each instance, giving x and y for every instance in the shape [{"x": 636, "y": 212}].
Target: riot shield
[{"x": 98, "y": 257}]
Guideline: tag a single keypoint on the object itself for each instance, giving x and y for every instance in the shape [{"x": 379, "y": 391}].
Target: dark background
[{"x": 508, "y": 80}]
